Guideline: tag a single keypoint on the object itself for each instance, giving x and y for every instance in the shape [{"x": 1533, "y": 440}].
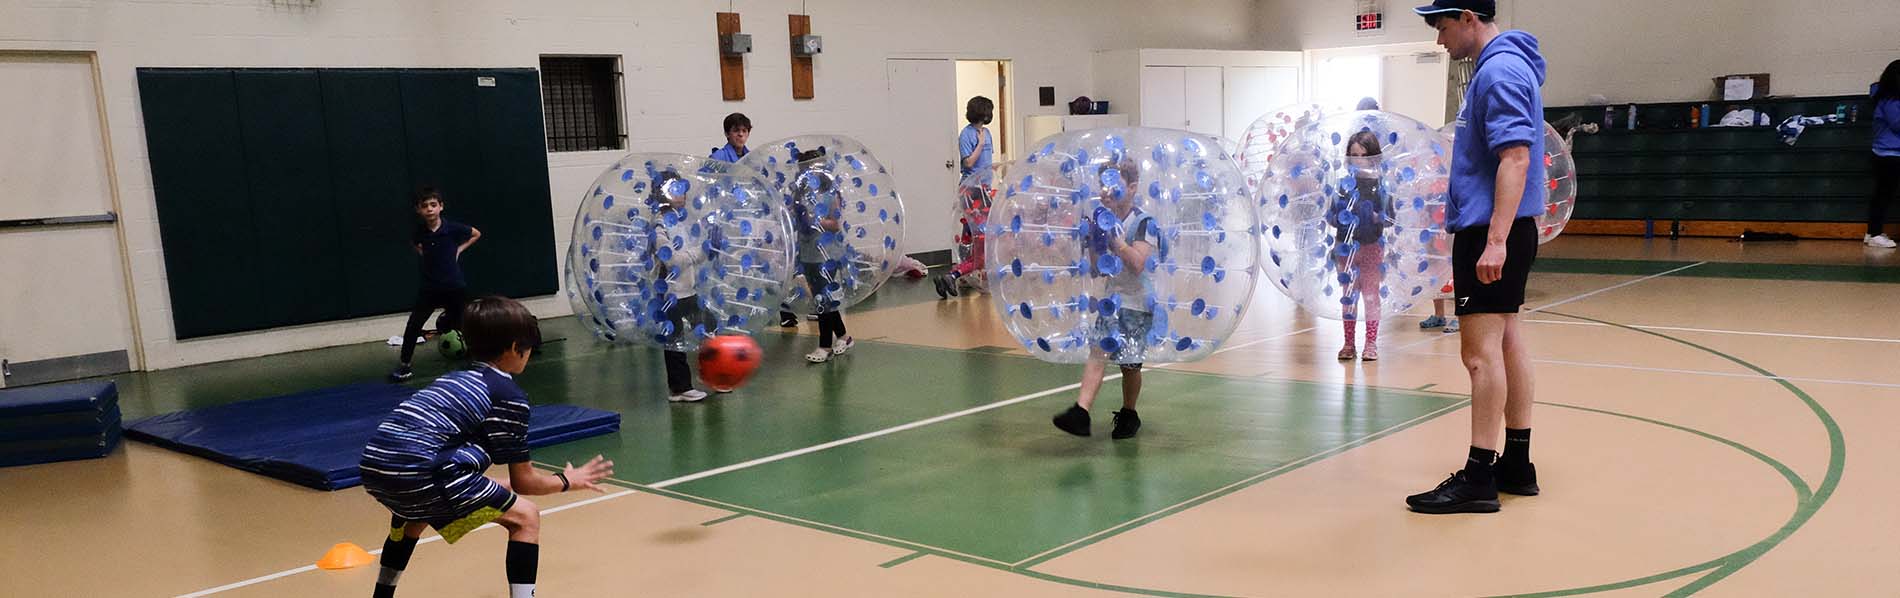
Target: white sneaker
[
  {"x": 819, "y": 355},
  {"x": 841, "y": 345},
  {"x": 691, "y": 396},
  {"x": 1880, "y": 241},
  {"x": 396, "y": 341},
  {"x": 1451, "y": 326}
]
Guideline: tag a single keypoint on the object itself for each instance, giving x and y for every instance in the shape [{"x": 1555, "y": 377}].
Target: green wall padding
[{"x": 284, "y": 194}]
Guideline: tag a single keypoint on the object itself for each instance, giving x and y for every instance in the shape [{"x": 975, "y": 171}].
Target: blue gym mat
[{"x": 316, "y": 438}]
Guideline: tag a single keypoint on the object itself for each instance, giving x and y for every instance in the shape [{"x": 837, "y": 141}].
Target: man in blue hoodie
[{"x": 1491, "y": 214}]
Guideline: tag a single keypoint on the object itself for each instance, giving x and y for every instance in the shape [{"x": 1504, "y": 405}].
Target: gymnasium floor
[{"x": 1715, "y": 419}]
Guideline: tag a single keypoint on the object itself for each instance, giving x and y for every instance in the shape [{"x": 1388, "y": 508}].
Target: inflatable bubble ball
[
  {"x": 847, "y": 218},
  {"x": 975, "y": 196},
  {"x": 1256, "y": 145},
  {"x": 670, "y": 250},
  {"x": 1560, "y": 181},
  {"x": 1352, "y": 211},
  {"x": 1132, "y": 244}
]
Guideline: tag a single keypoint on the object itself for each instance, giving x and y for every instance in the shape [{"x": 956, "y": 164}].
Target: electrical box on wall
[
  {"x": 807, "y": 45},
  {"x": 735, "y": 44}
]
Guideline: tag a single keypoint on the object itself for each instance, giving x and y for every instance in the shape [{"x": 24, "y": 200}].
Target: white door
[
  {"x": 1163, "y": 99},
  {"x": 63, "y": 303},
  {"x": 1202, "y": 95},
  {"x": 1253, "y": 91},
  {"x": 1415, "y": 86},
  {"x": 920, "y": 148}
]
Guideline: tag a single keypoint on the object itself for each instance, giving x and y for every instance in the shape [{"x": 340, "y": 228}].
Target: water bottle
[
  {"x": 1695, "y": 117},
  {"x": 1632, "y": 123},
  {"x": 1609, "y": 118},
  {"x": 1705, "y": 116}
]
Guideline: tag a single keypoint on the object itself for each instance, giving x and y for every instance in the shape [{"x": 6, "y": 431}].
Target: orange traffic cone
[{"x": 344, "y": 556}]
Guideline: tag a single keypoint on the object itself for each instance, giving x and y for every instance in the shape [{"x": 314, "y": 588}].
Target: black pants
[
  {"x": 1886, "y": 182},
  {"x": 450, "y": 301},
  {"x": 679, "y": 374},
  {"x": 830, "y": 322}
]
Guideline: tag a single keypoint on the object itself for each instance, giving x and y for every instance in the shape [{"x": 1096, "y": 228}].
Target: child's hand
[{"x": 586, "y": 477}]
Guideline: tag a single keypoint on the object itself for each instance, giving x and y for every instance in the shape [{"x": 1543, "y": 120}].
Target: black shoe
[
  {"x": 943, "y": 288},
  {"x": 1520, "y": 480},
  {"x": 1456, "y": 494},
  {"x": 1074, "y": 420},
  {"x": 786, "y": 319},
  {"x": 401, "y": 373},
  {"x": 1127, "y": 422},
  {"x": 950, "y": 284}
]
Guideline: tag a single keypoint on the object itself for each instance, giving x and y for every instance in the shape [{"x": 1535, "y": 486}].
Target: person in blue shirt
[
  {"x": 1491, "y": 215},
  {"x": 440, "y": 242},
  {"x": 1886, "y": 98},
  {"x": 426, "y": 460},
  {"x": 974, "y": 152},
  {"x": 738, "y": 130}
]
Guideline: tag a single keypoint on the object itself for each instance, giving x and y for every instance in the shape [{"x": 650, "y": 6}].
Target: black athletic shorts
[{"x": 1506, "y": 295}]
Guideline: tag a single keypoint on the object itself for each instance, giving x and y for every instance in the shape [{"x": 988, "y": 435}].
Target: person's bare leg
[
  {"x": 1481, "y": 346},
  {"x": 1131, "y": 388},
  {"x": 1092, "y": 372},
  {"x": 523, "y": 522},
  {"x": 1520, "y": 380}
]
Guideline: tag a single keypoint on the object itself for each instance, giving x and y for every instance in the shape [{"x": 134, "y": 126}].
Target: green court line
[
  {"x": 1230, "y": 489},
  {"x": 1427, "y": 386},
  {"x": 902, "y": 559},
  {"x": 723, "y": 519},
  {"x": 1742, "y": 270},
  {"x": 1727, "y": 565}
]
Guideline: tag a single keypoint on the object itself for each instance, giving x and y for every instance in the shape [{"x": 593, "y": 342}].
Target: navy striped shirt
[{"x": 465, "y": 420}]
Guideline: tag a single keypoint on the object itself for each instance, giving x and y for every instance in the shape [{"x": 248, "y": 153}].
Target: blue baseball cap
[{"x": 1488, "y": 8}]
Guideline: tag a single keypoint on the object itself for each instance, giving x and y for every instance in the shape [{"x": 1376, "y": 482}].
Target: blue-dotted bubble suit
[
  {"x": 1257, "y": 143},
  {"x": 1560, "y": 182},
  {"x": 1357, "y": 237},
  {"x": 976, "y": 195},
  {"x": 847, "y": 217},
  {"x": 670, "y": 250},
  {"x": 1078, "y": 206}
]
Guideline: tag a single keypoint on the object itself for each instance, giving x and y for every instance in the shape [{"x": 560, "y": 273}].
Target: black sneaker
[
  {"x": 401, "y": 373},
  {"x": 1127, "y": 422},
  {"x": 1074, "y": 420},
  {"x": 786, "y": 319},
  {"x": 950, "y": 284},
  {"x": 1520, "y": 480},
  {"x": 1456, "y": 495},
  {"x": 943, "y": 286}
]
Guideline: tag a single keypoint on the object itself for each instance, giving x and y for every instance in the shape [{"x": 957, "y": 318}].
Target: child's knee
[{"x": 524, "y": 516}]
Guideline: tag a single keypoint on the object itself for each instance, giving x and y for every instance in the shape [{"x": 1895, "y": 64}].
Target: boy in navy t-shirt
[{"x": 440, "y": 243}]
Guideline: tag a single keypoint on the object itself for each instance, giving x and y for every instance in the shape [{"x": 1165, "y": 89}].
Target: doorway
[{"x": 990, "y": 79}]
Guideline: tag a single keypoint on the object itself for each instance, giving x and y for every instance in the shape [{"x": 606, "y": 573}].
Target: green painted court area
[{"x": 1000, "y": 484}]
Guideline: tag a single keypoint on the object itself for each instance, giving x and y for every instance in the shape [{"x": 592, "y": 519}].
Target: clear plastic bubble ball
[
  {"x": 975, "y": 195},
  {"x": 670, "y": 250},
  {"x": 847, "y": 218},
  {"x": 1256, "y": 145},
  {"x": 1357, "y": 234},
  {"x": 1560, "y": 180},
  {"x": 1068, "y": 234}
]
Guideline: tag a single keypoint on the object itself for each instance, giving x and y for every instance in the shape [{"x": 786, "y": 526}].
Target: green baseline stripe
[
  {"x": 723, "y": 519},
  {"x": 902, "y": 559},
  {"x": 1726, "y": 566},
  {"x": 1743, "y": 270}
]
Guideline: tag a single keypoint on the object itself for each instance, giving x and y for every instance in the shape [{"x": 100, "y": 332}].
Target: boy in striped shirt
[{"x": 427, "y": 459}]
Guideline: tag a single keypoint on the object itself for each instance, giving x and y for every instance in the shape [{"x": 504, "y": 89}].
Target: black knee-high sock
[
  {"x": 1517, "y": 447},
  {"x": 523, "y": 560},
  {"x": 397, "y": 549}
]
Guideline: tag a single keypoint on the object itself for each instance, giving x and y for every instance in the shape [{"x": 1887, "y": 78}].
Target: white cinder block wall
[
  {"x": 1646, "y": 50},
  {"x": 671, "y": 83}
]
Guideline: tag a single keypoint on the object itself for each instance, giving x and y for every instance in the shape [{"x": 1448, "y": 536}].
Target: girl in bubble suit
[{"x": 1359, "y": 215}]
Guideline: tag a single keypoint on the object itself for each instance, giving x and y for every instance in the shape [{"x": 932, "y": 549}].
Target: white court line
[
  {"x": 1752, "y": 376},
  {"x": 1735, "y": 332},
  {"x": 1250, "y": 479},
  {"x": 1570, "y": 300},
  {"x": 922, "y": 422},
  {"x": 760, "y": 461},
  {"x": 308, "y": 568}
]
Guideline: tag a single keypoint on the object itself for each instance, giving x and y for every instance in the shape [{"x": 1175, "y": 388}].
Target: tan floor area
[{"x": 1654, "y": 454}]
